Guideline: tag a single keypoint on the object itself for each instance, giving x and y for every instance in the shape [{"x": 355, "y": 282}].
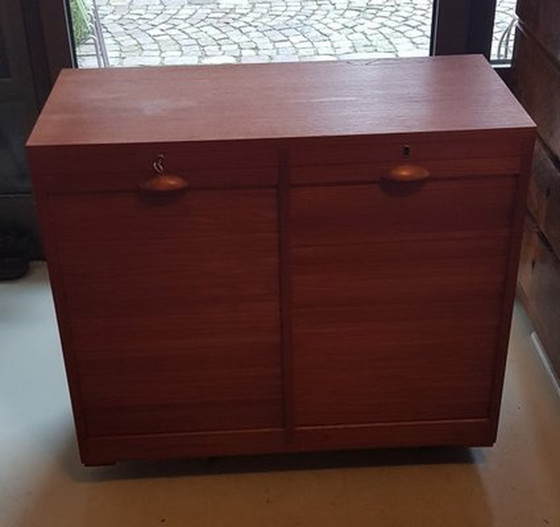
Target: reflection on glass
[{"x": 143, "y": 33}]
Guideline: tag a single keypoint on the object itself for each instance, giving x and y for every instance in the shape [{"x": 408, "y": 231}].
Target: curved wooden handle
[
  {"x": 162, "y": 183},
  {"x": 406, "y": 173}
]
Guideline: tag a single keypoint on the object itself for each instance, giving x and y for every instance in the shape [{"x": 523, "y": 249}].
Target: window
[{"x": 140, "y": 33}]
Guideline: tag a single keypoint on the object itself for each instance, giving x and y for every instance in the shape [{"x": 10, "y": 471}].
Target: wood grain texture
[
  {"x": 174, "y": 308},
  {"x": 290, "y": 300},
  {"x": 465, "y": 432},
  {"x": 364, "y": 214},
  {"x": 219, "y": 165},
  {"x": 541, "y": 19},
  {"x": 467, "y": 147},
  {"x": 535, "y": 80},
  {"x": 397, "y": 300},
  {"x": 109, "y": 449},
  {"x": 124, "y": 167},
  {"x": 510, "y": 274},
  {"x": 527, "y": 260},
  {"x": 373, "y": 342},
  {"x": 544, "y": 197},
  {"x": 539, "y": 279},
  {"x": 367, "y": 172},
  {"x": 224, "y": 103}
]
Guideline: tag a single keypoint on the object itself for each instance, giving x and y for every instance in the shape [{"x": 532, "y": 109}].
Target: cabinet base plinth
[{"x": 467, "y": 432}]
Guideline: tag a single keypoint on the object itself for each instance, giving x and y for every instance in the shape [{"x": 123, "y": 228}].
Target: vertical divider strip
[{"x": 285, "y": 264}]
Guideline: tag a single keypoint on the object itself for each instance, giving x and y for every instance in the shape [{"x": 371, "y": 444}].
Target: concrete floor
[{"x": 42, "y": 484}]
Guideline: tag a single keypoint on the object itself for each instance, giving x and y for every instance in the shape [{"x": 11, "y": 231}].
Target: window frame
[{"x": 462, "y": 26}]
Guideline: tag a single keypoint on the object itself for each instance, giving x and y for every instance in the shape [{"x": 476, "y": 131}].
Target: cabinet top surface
[{"x": 274, "y": 101}]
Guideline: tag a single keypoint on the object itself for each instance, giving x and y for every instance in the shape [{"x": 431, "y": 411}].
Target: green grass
[{"x": 80, "y": 25}]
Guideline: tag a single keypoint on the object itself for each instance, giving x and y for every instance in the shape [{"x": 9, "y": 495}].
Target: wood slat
[
  {"x": 362, "y": 214},
  {"x": 174, "y": 310},
  {"x": 544, "y": 197},
  {"x": 464, "y": 432},
  {"x": 116, "y": 168},
  {"x": 443, "y": 147},
  {"x": 374, "y": 172},
  {"x": 108, "y": 450},
  {"x": 539, "y": 278},
  {"x": 103, "y": 450},
  {"x": 397, "y": 297},
  {"x": 535, "y": 80},
  {"x": 389, "y": 332}
]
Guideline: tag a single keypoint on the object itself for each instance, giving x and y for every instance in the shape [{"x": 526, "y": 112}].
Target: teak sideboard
[{"x": 325, "y": 256}]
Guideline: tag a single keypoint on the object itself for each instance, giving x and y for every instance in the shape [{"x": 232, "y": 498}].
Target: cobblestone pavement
[{"x": 158, "y": 32}]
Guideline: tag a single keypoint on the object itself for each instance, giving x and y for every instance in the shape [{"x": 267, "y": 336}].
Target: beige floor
[{"x": 42, "y": 484}]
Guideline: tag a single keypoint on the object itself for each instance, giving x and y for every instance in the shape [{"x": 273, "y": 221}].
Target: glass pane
[
  {"x": 13, "y": 166},
  {"x": 158, "y": 32},
  {"x": 504, "y": 31}
]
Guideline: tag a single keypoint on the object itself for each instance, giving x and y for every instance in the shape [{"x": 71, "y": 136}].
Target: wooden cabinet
[
  {"x": 294, "y": 297},
  {"x": 535, "y": 80}
]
